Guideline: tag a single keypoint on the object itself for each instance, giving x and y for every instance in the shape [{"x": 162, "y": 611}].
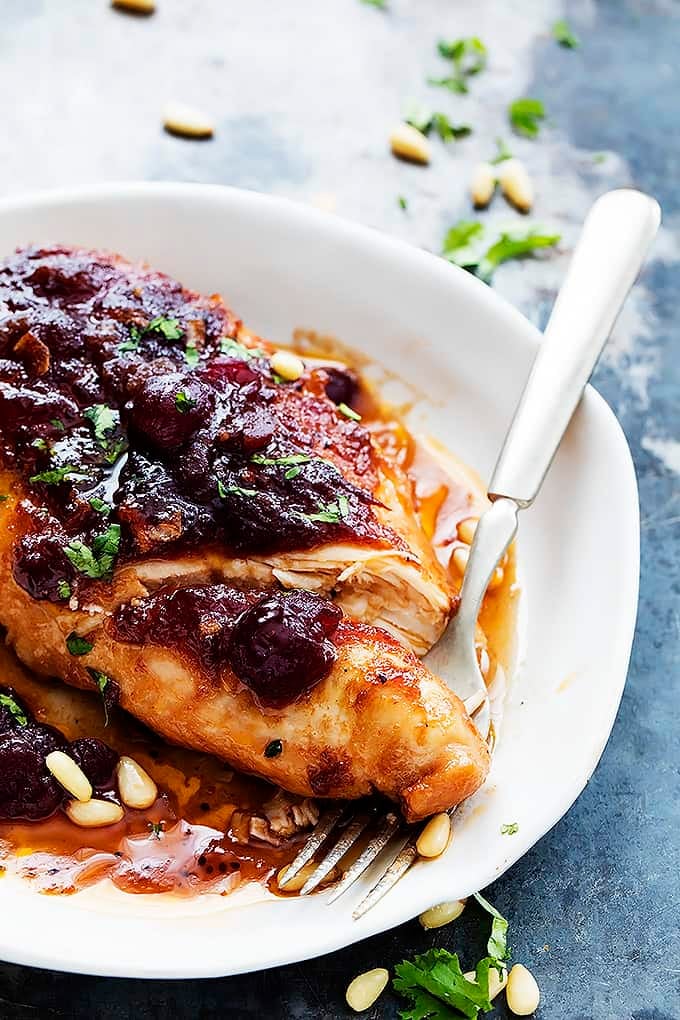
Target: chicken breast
[
  {"x": 120, "y": 389},
  {"x": 152, "y": 458}
]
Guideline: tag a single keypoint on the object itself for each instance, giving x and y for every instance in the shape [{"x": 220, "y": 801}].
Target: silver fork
[{"x": 615, "y": 238}]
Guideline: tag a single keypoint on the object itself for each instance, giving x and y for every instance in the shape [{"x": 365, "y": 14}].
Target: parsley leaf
[
  {"x": 525, "y": 115},
  {"x": 564, "y": 34},
  {"x": 108, "y": 688},
  {"x": 39, "y": 444},
  {"x": 402, "y": 203},
  {"x": 96, "y": 562},
  {"x": 78, "y": 645},
  {"x": 55, "y": 476},
  {"x": 434, "y": 981},
  {"x": 230, "y": 346},
  {"x": 64, "y": 589},
  {"x": 3, "y": 497},
  {"x": 228, "y": 490},
  {"x": 170, "y": 329},
  {"x": 509, "y": 829},
  {"x": 424, "y": 119},
  {"x": 497, "y": 946},
  {"x": 156, "y": 829},
  {"x": 100, "y": 506},
  {"x": 191, "y": 355},
  {"x": 183, "y": 403},
  {"x": 464, "y": 245},
  {"x": 8, "y": 702},
  {"x": 349, "y": 412},
  {"x": 380, "y": 4},
  {"x": 513, "y": 246},
  {"x": 103, "y": 420},
  {"x": 329, "y": 513},
  {"x": 58, "y": 424},
  {"x": 503, "y": 153},
  {"x": 468, "y": 57}
]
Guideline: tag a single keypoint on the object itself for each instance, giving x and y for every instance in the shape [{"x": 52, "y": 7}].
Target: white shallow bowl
[{"x": 282, "y": 266}]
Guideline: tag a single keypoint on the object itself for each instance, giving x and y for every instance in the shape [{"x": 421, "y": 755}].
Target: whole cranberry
[
  {"x": 97, "y": 760},
  {"x": 281, "y": 647},
  {"x": 27, "y": 788},
  {"x": 40, "y": 565},
  {"x": 167, "y": 409},
  {"x": 342, "y": 385}
]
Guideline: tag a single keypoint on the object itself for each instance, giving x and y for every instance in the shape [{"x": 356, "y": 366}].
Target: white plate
[{"x": 283, "y": 266}]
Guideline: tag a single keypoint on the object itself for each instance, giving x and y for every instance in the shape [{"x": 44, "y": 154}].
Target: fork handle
[{"x": 615, "y": 239}]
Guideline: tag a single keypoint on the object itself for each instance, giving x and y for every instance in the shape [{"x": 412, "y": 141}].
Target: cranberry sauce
[
  {"x": 140, "y": 424},
  {"x": 277, "y": 643},
  {"x": 27, "y": 788}
]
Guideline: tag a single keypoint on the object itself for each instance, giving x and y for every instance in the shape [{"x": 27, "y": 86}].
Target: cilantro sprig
[
  {"x": 55, "y": 476},
  {"x": 14, "y": 708},
  {"x": 168, "y": 328},
  {"x": 78, "y": 645}
]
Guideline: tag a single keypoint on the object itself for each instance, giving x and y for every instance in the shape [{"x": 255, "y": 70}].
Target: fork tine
[
  {"x": 401, "y": 863},
  {"x": 319, "y": 833},
  {"x": 389, "y": 827},
  {"x": 349, "y": 837}
]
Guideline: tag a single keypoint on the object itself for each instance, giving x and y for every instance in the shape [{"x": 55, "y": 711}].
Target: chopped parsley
[
  {"x": 564, "y": 34},
  {"x": 402, "y": 203},
  {"x": 3, "y": 496},
  {"x": 78, "y": 645},
  {"x": 230, "y": 346},
  {"x": 233, "y": 490},
  {"x": 273, "y": 749},
  {"x": 8, "y": 702},
  {"x": 502, "y": 153},
  {"x": 599, "y": 157},
  {"x": 380, "y": 4},
  {"x": 39, "y": 444},
  {"x": 156, "y": 829},
  {"x": 169, "y": 329},
  {"x": 465, "y": 245},
  {"x": 103, "y": 421},
  {"x": 100, "y": 506},
  {"x": 525, "y": 116},
  {"x": 183, "y": 403},
  {"x": 64, "y": 589},
  {"x": 330, "y": 513},
  {"x": 58, "y": 424},
  {"x": 191, "y": 355},
  {"x": 55, "y": 476},
  {"x": 349, "y": 412},
  {"x": 108, "y": 689},
  {"x": 468, "y": 57},
  {"x": 425, "y": 120},
  {"x": 509, "y": 829},
  {"x": 96, "y": 562},
  {"x": 436, "y": 988}
]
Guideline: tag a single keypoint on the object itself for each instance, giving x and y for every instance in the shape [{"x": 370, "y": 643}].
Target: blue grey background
[{"x": 304, "y": 95}]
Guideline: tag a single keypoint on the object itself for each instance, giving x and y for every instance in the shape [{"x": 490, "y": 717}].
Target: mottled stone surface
[{"x": 304, "y": 94}]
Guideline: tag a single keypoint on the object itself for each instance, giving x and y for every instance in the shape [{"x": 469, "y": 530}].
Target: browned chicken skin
[{"x": 166, "y": 498}]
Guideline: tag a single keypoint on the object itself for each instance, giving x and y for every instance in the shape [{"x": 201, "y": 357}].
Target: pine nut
[
  {"x": 409, "y": 143},
  {"x": 136, "y": 787},
  {"x": 522, "y": 993},
  {"x": 187, "y": 121},
  {"x": 136, "y": 6},
  {"x": 434, "y": 839},
  {"x": 466, "y": 529},
  {"x": 516, "y": 184},
  {"x": 443, "y": 913},
  {"x": 496, "y": 983},
  {"x": 303, "y": 874},
  {"x": 95, "y": 814},
  {"x": 287, "y": 365},
  {"x": 482, "y": 185},
  {"x": 459, "y": 559},
  {"x": 363, "y": 991},
  {"x": 69, "y": 774}
]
